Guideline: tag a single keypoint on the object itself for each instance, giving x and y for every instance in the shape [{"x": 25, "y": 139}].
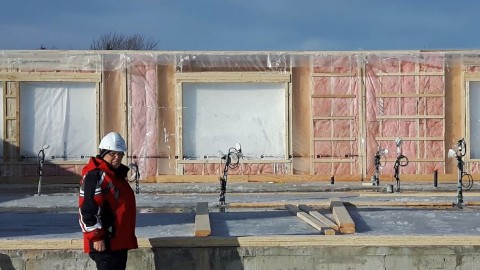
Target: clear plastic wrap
[{"x": 340, "y": 107}]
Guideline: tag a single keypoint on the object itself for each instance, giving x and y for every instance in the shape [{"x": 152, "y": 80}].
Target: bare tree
[
  {"x": 43, "y": 47},
  {"x": 115, "y": 41}
]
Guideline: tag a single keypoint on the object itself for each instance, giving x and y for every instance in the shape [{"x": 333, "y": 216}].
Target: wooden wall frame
[{"x": 11, "y": 112}]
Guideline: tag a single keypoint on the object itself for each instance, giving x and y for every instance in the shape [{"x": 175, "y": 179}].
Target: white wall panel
[
  {"x": 217, "y": 115},
  {"x": 61, "y": 115}
]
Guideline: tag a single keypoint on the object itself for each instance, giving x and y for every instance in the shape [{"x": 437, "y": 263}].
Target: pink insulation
[
  {"x": 144, "y": 122},
  {"x": 333, "y": 136},
  {"x": 391, "y": 110},
  {"x": 384, "y": 113}
]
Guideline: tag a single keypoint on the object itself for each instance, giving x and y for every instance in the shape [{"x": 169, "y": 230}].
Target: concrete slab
[
  {"x": 165, "y": 213},
  {"x": 42, "y": 232}
]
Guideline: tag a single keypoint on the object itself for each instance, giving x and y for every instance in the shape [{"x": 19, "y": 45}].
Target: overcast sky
[{"x": 244, "y": 25}]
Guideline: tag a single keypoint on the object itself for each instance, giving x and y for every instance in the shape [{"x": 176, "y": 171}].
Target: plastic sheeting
[
  {"x": 217, "y": 115},
  {"x": 61, "y": 116},
  {"x": 358, "y": 102}
]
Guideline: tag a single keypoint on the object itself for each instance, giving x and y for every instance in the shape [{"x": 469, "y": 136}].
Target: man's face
[{"x": 114, "y": 158}]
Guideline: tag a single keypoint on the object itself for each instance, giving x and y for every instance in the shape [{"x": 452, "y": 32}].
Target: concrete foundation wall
[{"x": 308, "y": 257}]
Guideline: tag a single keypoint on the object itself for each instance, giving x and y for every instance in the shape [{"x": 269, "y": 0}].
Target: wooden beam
[
  {"x": 333, "y": 96},
  {"x": 51, "y": 76},
  {"x": 342, "y": 217},
  {"x": 408, "y": 95},
  {"x": 411, "y": 138},
  {"x": 410, "y": 117},
  {"x": 321, "y": 74},
  {"x": 323, "y": 219},
  {"x": 202, "y": 220},
  {"x": 334, "y": 117},
  {"x": 259, "y": 241},
  {"x": 401, "y": 74},
  {"x": 310, "y": 220},
  {"x": 232, "y": 77},
  {"x": 334, "y": 160},
  {"x": 334, "y": 139}
]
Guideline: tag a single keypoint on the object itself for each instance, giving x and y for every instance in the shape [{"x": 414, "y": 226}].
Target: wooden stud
[
  {"x": 288, "y": 119},
  {"x": 310, "y": 220},
  {"x": 323, "y": 219},
  {"x": 179, "y": 127},
  {"x": 347, "y": 230},
  {"x": 202, "y": 220},
  {"x": 362, "y": 126},
  {"x": 341, "y": 215}
]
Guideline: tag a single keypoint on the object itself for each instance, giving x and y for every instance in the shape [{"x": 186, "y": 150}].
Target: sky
[{"x": 245, "y": 25}]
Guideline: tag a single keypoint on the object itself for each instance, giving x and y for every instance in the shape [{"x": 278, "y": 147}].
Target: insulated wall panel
[
  {"x": 144, "y": 122},
  {"x": 335, "y": 115},
  {"x": 405, "y": 97}
]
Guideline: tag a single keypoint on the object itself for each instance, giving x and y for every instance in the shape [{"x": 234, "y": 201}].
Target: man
[{"x": 107, "y": 206}]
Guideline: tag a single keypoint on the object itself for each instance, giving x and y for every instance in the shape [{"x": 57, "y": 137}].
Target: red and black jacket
[{"x": 107, "y": 208}]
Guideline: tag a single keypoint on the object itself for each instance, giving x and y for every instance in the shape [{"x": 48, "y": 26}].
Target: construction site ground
[{"x": 253, "y": 210}]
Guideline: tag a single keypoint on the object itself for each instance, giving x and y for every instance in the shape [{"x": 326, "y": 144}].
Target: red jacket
[{"x": 107, "y": 208}]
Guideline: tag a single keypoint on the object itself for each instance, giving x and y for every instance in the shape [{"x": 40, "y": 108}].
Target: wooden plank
[
  {"x": 341, "y": 215},
  {"x": 202, "y": 220},
  {"x": 312, "y": 240},
  {"x": 408, "y": 95},
  {"x": 330, "y": 139},
  {"x": 258, "y": 241},
  {"x": 323, "y": 219},
  {"x": 333, "y": 118},
  {"x": 11, "y": 122},
  {"x": 411, "y": 138},
  {"x": 51, "y": 76},
  {"x": 232, "y": 77},
  {"x": 333, "y": 96},
  {"x": 347, "y": 230},
  {"x": 335, "y": 160},
  {"x": 310, "y": 220},
  {"x": 410, "y": 117},
  {"x": 401, "y": 74},
  {"x": 362, "y": 122},
  {"x": 322, "y": 74}
]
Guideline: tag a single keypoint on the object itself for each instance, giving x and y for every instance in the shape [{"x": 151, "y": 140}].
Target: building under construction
[
  {"x": 358, "y": 117},
  {"x": 298, "y": 115}
]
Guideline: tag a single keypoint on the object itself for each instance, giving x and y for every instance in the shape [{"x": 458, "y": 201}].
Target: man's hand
[{"x": 99, "y": 245}]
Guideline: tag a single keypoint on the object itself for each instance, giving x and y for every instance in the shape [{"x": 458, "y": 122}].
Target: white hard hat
[{"x": 113, "y": 142}]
